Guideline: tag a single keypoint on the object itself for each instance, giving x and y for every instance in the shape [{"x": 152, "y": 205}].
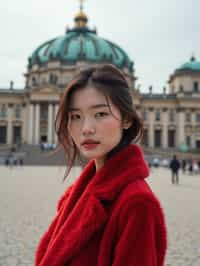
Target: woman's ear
[{"x": 127, "y": 124}]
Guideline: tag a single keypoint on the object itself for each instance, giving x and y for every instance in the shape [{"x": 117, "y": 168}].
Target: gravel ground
[{"x": 28, "y": 198}]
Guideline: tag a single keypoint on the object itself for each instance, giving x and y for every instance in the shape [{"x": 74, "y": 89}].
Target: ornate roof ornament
[{"x": 81, "y": 18}]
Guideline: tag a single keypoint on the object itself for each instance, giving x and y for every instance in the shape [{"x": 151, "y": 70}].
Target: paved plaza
[{"x": 28, "y": 197}]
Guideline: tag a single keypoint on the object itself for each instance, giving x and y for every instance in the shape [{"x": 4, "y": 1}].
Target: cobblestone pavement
[{"x": 28, "y": 197}]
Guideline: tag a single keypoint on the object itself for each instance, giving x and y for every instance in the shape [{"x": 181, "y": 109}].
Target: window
[
  {"x": 53, "y": 79},
  {"x": 188, "y": 141},
  {"x": 16, "y": 134},
  {"x": 195, "y": 86},
  {"x": 171, "y": 138},
  {"x": 3, "y": 134},
  {"x": 34, "y": 81},
  {"x": 157, "y": 115},
  {"x": 17, "y": 111},
  {"x": 157, "y": 138},
  {"x": 198, "y": 117},
  {"x": 181, "y": 88},
  {"x": 3, "y": 111},
  {"x": 144, "y": 115},
  {"x": 188, "y": 117}
]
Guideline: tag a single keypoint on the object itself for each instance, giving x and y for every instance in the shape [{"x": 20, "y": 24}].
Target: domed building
[
  {"x": 30, "y": 113},
  {"x": 171, "y": 119},
  {"x": 57, "y": 60}
]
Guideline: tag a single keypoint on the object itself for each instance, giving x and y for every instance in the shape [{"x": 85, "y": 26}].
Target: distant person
[
  {"x": 7, "y": 161},
  {"x": 199, "y": 164},
  {"x": 175, "y": 166},
  {"x": 190, "y": 167},
  {"x": 195, "y": 167},
  {"x": 183, "y": 165},
  {"x": 21, "y": 161},
  {"x": 14, "y": 161}
]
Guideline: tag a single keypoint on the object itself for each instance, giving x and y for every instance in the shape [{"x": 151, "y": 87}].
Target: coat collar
[
  {"x": 123, "y": 168},
  {"x": 83, "y": 213}
]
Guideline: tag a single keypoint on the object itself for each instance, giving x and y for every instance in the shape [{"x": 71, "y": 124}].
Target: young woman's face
[{"x": 94, "y": 127}]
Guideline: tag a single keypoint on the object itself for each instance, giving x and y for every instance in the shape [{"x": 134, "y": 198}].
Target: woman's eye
[
  {"x": 75, "y": 117},
  {"x": 101, "y": 114}
]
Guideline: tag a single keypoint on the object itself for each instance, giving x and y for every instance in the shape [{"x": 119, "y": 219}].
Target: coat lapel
[{"x": 86, "y": 219}]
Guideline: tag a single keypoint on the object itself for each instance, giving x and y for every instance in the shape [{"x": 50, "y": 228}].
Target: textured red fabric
[{"x": 107, "y": 218}]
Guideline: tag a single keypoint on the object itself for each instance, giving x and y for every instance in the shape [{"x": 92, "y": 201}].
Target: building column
[
  {"x": 9, "y": 125},
  {"x": 31, "y": 114},
  {"x": 165, "y": 128},
  {"x": 180, "y": 127},
  {"x": 24, "y": 123},
  {"x": 55, "y": 113},
  {"x": 50, "y": 123},
  {"x": 151, "y": 128},
  {"x": 193, "y": 137},
  {"x": 37, "y": 124}
]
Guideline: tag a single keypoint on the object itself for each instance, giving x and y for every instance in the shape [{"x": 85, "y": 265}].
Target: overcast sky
[{"x": 158, "y": 35}]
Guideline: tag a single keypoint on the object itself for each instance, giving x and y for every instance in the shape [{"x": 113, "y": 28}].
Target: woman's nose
[{"x": 88, "y": 127}]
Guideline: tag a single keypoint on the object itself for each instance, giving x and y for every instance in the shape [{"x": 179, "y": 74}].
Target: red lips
[
  {"x": 89, "y": 144},
  {"x": 89, "y": 141}
]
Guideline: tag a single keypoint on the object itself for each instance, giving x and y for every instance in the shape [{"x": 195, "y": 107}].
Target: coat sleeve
[{"x": 142, "y": 236}]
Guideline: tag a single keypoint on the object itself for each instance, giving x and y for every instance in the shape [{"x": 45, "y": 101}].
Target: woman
[{"x": 109, "y": 216}]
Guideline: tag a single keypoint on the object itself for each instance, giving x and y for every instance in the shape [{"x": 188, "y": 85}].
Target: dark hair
[{"x": 110, "y": 81}]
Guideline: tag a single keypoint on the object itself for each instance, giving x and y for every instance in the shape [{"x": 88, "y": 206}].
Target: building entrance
[
  {"x": 43, "y": 139},
  {"x": 3, "y": 133},
  {"x": 198, "y": 144},
  {"x": 17, "y": 134},
  {"x": 157, "y": 138}
]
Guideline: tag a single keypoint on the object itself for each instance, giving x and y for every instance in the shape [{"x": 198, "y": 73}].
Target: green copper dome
[
  {"x": 80, "y": 44},
  {"x": 192, "y": 65}
]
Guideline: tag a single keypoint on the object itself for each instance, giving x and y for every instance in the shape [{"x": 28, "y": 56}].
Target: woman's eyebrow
[
  {"x": 99, "y": 106},
  {"x": 91, "y": 107}
]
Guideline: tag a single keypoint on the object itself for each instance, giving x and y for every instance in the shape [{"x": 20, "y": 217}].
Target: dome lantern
[{"x": 81, "y": 18}]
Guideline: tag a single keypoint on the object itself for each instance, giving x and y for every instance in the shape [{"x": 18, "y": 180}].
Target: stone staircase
[
  {"x": 169, "y": 152},
  {"x": 33, "y": 155}
]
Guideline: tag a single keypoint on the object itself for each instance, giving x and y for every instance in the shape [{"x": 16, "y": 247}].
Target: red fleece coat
[{"x": 107, "y": 218}]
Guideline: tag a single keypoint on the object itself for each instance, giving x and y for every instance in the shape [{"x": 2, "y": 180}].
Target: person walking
[
  {"x": 175, "y": 166},
  {"x": 109, "y": 215},
  {"x": 183, "y": 166}
]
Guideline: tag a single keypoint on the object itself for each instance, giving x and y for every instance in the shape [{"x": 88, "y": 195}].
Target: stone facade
[
  {"x": 27, "y": 116},
  {"x": 170, "y": 119}
]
